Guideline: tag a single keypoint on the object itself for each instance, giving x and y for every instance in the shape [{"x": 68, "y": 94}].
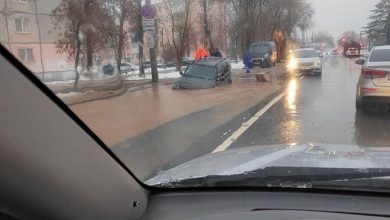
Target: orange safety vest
[{"x": 198, "y": 54}]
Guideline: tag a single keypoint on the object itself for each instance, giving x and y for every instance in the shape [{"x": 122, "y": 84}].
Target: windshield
[
  {"x": 178, "y": 91},
  {"x": 306, "y": 54},
  {"x": 201, "y": 71},
  {"x": 259, "y": 49}
]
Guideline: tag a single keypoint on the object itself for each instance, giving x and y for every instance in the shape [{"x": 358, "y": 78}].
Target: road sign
[
  {"x": 149, "y": 11},
  {"x": 148, "y": 22}
]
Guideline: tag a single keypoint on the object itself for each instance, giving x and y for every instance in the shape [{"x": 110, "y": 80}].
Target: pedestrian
[
  {"x": 206, "y": 53},
  {"x": 199, "y": 54},
  {"x": 217, "y": 53},
  {"x": 248, "y": 62}
]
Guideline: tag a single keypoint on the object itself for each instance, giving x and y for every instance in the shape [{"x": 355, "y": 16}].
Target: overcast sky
[{"x": 337, "y": 16}]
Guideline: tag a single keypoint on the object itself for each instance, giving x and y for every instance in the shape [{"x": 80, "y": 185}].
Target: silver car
[
  {"x": 374, "y": 82},
  {"x": 305, "y": 61}
]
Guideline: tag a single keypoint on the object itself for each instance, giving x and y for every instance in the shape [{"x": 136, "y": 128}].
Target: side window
[
  {"x": 26, "y": 54},
  {"x": 23, "y": 25}
]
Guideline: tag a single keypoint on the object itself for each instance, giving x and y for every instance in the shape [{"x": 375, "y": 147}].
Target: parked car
[
  {"x": 126, "y": 67},
  {"x": 147, "y": 64},
  {"x": 108, "y": 69},
  {"x": 264, "y": 53},
  {"x": 335, "y": 52},
  {"x": 161, "y": 64},
  {"x": 305, "y": 61},
  {"x": 352, "y": 51},
  {"x": 374, "y": 81},
  {"x": 171, "y": 64},
  {"x": 205, "y": 74}
]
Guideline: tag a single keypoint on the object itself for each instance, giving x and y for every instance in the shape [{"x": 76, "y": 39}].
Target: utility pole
[
  {"x": 150, "y": 29},
  {"x": 140, "y": 39}
]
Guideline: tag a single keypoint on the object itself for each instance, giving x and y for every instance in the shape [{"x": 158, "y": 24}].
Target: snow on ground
[
  {"x": 173, "y": 74},
  {"x": 59, "y": 82},
  {"x": 238, "y": 65},
  {"x": 67, "y": 95}
]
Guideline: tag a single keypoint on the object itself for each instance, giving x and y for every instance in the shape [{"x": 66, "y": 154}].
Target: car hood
[
  {"x": 244, "y": 160},
  {"x": 308, "y": 60},
  {"x": 188, "y": 82}
]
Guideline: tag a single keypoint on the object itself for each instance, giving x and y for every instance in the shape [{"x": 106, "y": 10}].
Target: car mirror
[{"x": 360, "y": 61}]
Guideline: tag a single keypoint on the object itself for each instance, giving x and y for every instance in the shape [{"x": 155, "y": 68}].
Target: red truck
[{"x": 351, "y": 49}]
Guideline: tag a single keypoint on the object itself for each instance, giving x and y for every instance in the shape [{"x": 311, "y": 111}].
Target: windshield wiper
[{"x": 292, "y": 177}]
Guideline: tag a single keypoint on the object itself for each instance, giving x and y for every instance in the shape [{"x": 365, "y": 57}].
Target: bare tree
[
  {"x": 81, "y": 17},
  {"x": 179, "y": 30},
  {"x": 255, "y": 20}
]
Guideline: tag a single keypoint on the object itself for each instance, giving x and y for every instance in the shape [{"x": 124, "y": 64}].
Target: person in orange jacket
[
  {"x": 206, "y": 53},
  {"x": 199, "y": 54}
]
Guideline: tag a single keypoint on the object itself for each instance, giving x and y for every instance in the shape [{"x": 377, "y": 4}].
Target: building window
[
  {"x": 26, "y": 54},
  {"x": 23, "y": 25},
  {"x": 21, "y": 1}
]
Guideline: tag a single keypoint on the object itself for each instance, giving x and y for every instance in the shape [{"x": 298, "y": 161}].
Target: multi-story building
[{"x": 29, "y": 34}]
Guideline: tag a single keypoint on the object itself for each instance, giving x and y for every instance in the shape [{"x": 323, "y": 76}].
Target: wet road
[
  {"x": 320, "y": 110},
  {"x": 311, "y": 109}
]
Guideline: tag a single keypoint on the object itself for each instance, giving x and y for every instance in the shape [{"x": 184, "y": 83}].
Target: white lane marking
[
  {"x": 246, "y": 125},
  {"x": 262, "y": 162}
]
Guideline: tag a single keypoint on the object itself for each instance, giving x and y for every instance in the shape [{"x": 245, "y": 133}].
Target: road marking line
[
  {"x": 246, "y": 125},
  {"x": 262, "y": 162}
]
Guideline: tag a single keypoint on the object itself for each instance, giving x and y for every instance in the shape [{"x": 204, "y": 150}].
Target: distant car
[
  {"x": 374, "y": 81},
  {"x": 352, "y": 51},
  {"x": 126, "y": 67},
  {"x": 205, "y": 74},
  {"x": 161, "y": 64},
  {"x": 335, "y": 52},
  {"x": 171, "y": 64},
  {"x": 305, "y": 61},
  {"x": 147, "y": 65},
  {"x": 264, "y": 53},
  {"x": 108, "y": 69}
]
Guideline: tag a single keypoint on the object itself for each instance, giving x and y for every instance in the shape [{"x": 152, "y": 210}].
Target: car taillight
[{"x": 371, "y": 74}]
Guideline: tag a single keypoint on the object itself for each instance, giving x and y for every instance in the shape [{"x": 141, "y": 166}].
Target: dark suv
[{"x": 204, "y": 74}]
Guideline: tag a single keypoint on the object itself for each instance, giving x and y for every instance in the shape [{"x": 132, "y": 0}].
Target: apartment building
[{"x": 29, "y": 34}]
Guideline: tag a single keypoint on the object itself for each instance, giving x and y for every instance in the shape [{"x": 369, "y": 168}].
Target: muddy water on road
[{"x": 120, "y": 118}]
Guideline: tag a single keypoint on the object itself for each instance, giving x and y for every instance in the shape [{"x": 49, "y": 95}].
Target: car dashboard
[{"x": 266, "y": 205}]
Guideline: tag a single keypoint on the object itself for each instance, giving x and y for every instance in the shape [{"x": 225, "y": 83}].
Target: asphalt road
[{"x": 320, "y": 110}]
